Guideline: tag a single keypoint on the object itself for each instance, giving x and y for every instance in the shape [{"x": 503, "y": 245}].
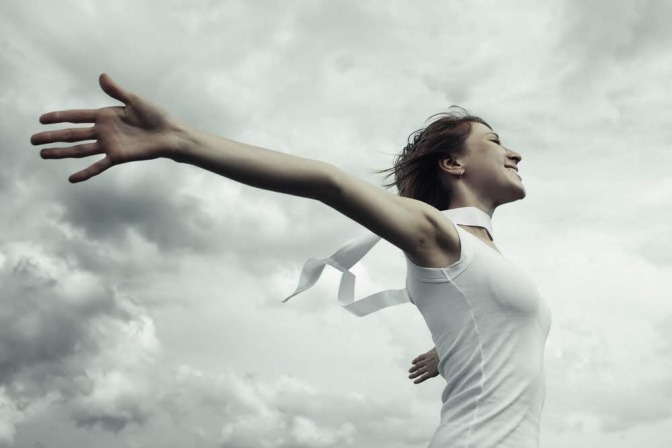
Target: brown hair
[{"x": 416, "y": 170}]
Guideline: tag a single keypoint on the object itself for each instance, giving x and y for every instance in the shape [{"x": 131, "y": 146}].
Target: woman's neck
[{"x": 481, "y": 206}]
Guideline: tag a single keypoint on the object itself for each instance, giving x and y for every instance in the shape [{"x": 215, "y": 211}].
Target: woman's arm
[
  {"x": 404, "y": 222},
  {"x": 140, "y": 130}
]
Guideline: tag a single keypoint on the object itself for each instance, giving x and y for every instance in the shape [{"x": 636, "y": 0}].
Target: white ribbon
[{"x": 343, "y": 259}]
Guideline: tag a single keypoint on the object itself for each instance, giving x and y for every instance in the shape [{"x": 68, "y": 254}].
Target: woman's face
[{"x": 490, "y": 168}]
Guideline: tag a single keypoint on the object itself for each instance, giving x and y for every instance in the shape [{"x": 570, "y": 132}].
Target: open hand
[
  {"x": 425, "y": 366},
  {"x": 138, "y": 130}
]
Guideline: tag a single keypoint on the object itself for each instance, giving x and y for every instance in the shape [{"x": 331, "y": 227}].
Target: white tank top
[{"x": 489, "y": 325}]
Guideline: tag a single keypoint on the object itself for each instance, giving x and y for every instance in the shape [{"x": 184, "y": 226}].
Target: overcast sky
[{"x": 142, "y": 308}]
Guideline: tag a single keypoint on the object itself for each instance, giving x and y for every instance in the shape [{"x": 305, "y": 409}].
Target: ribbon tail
[
  {"x": 376, "y": 302},
  {"x": 311, "y": 272}
]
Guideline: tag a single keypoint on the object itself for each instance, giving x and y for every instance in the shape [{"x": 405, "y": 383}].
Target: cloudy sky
[{"x": 142, "y": 308}]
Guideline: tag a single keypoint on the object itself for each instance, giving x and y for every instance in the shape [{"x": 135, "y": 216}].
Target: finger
[
  {"x": 415, "y": 367},
  {"x": 425, "y": 376},
  {"x": 415, "y": 375},
  {"x": 417, "y": 372},
  {"x": 113, "y": 89},
  {"x": 63, "y": 135},
  {"x": 69, "y": 116},
  {"x": 418, "y": 359},
  {"x": 421, "y": 379},
  {"x": 91, "y": 171},
  {"x": 78, "y": 151}
]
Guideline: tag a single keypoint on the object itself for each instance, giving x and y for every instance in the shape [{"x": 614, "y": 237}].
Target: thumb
[{"x": 113, "y": 89}]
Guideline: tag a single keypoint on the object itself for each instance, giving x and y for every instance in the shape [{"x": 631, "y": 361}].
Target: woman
[{"x": 487, "y": 319}]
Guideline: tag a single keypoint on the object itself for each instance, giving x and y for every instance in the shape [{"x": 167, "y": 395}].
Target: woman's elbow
[{"x": 329, "y": 188}]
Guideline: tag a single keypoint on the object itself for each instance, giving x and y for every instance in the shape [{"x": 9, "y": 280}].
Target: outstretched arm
[{"x": 140, "y": 130}]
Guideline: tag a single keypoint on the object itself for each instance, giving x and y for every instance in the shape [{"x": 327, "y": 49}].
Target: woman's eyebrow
[{"x": 494, "y": 135}]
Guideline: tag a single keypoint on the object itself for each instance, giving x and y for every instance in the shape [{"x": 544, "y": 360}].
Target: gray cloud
[
  {"x": 56, "y": 326},
  {"x": 108, "y": 212},
  {"x": 617, "y": 30},
  {"x": 288, "y": 412}
]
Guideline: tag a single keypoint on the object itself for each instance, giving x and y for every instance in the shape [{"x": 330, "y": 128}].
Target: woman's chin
[
  {"x": 520, "y": 190},
  {"x": 517, "y": 194},
  {"x": 523, "y": 193}
]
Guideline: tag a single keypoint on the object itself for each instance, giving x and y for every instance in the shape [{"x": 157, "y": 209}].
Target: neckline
[
  {"x": 474, "y": 217},
  {"x": 483, "y": 243}
]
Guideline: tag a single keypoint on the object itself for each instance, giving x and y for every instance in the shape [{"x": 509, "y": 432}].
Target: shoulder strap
[{"x": 343, "y": 259}]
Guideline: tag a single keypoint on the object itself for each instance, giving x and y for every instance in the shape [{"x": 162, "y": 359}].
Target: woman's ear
[{"x": 451, "y": 166}]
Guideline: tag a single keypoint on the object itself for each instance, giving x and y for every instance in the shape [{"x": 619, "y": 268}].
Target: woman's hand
[
  {"x": 138, "y": 130},
  {"x": 425, "y": 366}
]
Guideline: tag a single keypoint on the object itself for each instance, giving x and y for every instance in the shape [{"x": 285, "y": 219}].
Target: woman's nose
[{"x": 514, "y": 155}]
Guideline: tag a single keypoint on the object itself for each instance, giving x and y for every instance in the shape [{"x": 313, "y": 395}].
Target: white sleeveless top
[{"x": 489, "y": 325}]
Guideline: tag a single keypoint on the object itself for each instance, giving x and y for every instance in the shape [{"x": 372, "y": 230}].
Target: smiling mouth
[{"x": 515, "y": 171}]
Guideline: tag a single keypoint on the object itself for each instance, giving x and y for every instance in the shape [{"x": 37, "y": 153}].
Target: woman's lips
[{"x": 515, "y": 170}]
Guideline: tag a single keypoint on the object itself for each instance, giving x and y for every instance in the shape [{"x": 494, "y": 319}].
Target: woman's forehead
[
  {"x": 479, "y": 132},
  {"x": 480, "y": 129}
]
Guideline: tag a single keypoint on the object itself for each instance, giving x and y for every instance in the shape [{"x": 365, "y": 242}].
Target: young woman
[{"x": 487, "y": 319}]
